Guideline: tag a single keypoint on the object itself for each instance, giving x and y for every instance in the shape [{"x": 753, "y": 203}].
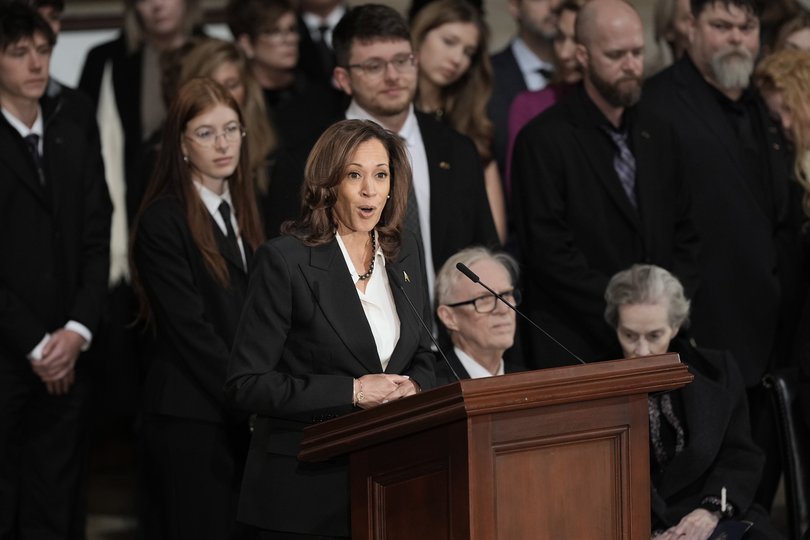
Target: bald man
[{"x": 597, "y": 188}]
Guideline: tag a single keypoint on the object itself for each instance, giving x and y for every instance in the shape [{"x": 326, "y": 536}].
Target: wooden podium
[{"x": 557, "y": 454}]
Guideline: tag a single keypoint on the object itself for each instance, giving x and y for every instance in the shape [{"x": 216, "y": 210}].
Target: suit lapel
[
  {"x": 409, "y": 326},
  {"x": 646, "y": 179},
  {"x": 600, "y": 156},
  {"x": 440, "y": 170},
  {"x": 331, "y": 283},
  {"x": 15, "y": 155}
]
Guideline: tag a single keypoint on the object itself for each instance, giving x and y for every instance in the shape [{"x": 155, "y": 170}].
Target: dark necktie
[
  {"x": 32, "y": 141},
  {"x": 625, "y": 164},
  {"x": 233, "y": 245},
  {"x": 324, "y": 52},
  {"x": 546, "y": 73}
]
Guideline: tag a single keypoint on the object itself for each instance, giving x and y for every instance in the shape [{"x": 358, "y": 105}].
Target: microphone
[
  {"x": 395, "y": 278},
  {"x": 461, "y": 267}
]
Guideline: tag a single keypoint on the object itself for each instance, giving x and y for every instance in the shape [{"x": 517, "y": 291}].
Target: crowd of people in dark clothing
[{"x": 181, "y": 229}]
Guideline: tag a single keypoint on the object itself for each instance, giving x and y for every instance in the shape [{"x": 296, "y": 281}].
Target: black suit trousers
[
  {"x": 194, "y": 468},
  {"x": 42, "y": 442}
]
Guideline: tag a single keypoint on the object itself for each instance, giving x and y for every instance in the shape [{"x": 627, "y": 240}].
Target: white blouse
[{"x": 378, "y": 303}]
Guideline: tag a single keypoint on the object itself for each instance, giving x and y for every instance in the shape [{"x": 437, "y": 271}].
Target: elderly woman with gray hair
[{"x": 705, "y": 469}]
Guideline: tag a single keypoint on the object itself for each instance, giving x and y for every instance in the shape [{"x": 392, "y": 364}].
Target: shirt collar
[
  {"x": 22, "y": 129},
  {"x": 356, "y": 112},
  {"x": 211, "y": 200},
  {"x": 527, "y": 61},
  {"x": 314, "y": 21},
  {"x": 474, "y": 369}
]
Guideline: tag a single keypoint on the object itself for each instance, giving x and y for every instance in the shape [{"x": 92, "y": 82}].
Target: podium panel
[{"x": 557, "y": 453}]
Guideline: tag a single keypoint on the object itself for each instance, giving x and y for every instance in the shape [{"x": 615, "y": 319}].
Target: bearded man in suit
[{"x": 596, "y": 188}]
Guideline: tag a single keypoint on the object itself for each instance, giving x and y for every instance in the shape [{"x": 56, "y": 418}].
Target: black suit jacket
[
  {"x": 719, "y": 451},
  {"x": 56, "y": 238},
  {"x": 747, "y": 251},
  {"x": 508, "y": 83},
  {"x": 302, "y": 340},
  {"x": 576, "y": 226},
  {"x": 459, "y": 209},
  {"x": 195, "y": 316}
]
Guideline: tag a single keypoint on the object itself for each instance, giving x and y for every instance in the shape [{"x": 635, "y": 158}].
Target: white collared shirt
[
  {"x": 38, "y": 128},
  {"x": 476, "y": 370},
  {"x": 378, "y": 303},
  {"x": 529, "y": 64},
  {"x": 421, "y": 179},
  {"x": 212, "y": 201},
  {"x": 313, "y": 23}
]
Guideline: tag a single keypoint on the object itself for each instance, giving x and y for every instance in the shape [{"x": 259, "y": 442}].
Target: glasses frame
[
  {"x": 514, "y": 293},
  {"x": 217, "y": 134},
  {"x": 410, "y": 63}
]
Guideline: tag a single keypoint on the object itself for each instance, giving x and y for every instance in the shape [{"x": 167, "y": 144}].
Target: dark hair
[
  {"x": 20, "y": 21},
  {"x": 172, "y": 178},
  {"x": 326, "y": 169},
  {"x": 367, "y": 23},
  {"x": 252, "y": 17},
  {"x": 754, "y": 7}
]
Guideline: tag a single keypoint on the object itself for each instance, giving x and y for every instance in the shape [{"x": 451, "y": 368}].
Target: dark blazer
[
  {"x": 459, "y": 208},
  {"x": 719, "y": 451},
  {"x": 576, "y": 226},
  {"x": 746, "y": 251},
  {"x": 508, "y": 83},
  {"x": 309, "y": 57},
  {"x": 57, "y": 259},
  {"x": 511, "y": 364},
  {"x": 126, "y": 80},
  {"x": 195, "y": 315},
  {"x": 302, "y": 339},
  {"x": 55, "y": 265}
]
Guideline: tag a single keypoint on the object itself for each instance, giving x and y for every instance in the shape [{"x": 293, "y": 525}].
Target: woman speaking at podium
[{"x": 326, "y": 328}]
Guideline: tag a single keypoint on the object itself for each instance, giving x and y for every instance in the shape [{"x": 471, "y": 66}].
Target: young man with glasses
[
  {"x": 481, "y": 327},
  {"x": 448, "y": 208}
]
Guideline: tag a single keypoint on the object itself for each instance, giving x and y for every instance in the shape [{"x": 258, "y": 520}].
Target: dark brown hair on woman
[
  {"x": 326, "y": 168},
  {"x": 172, "y": 178}
]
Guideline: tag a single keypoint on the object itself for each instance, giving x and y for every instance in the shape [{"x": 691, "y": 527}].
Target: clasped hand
[
  {"x": 380, "y": 388},
  {"x": 59, "y": 355}
]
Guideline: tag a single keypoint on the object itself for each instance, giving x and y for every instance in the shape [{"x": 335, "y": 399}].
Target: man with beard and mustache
[
  {"x": 737, "y": 167},
  {"x": 596, "y": 188},
  {"x": 526, "y": 63}
]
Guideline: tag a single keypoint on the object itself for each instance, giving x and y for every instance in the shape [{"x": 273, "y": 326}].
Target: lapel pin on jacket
[
  {"x": 444, "y": 165},
  {"x": 406, "y": 276}
]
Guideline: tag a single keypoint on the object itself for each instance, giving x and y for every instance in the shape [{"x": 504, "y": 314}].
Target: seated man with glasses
[{"x": 481, "y": 327}]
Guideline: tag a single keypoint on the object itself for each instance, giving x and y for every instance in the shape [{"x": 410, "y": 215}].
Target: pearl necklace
[{"x": 373, "y": 257}]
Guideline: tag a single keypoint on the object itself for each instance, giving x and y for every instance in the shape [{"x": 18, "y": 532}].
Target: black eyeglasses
[
  {"x": 488, "y": 302},
  {"x": 375, "y": 67}
]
